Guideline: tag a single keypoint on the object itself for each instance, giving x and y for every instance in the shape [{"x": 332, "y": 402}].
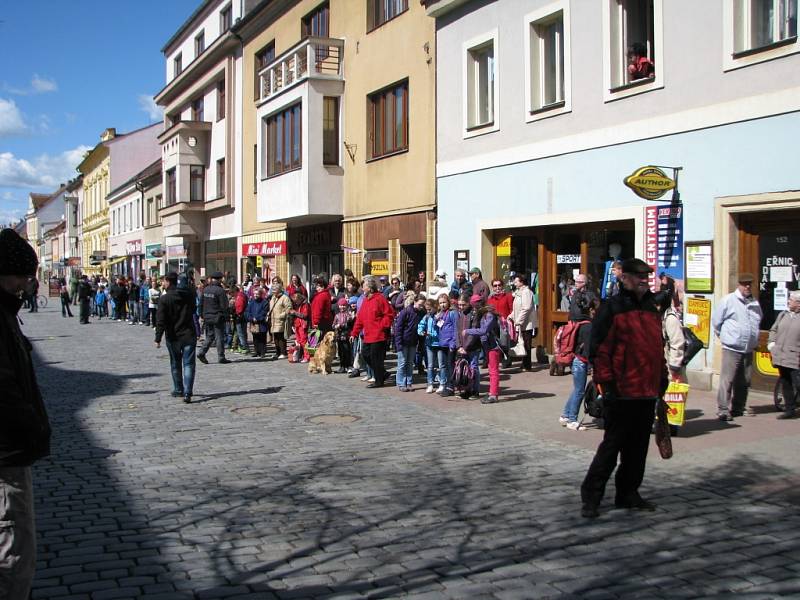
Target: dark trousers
[
  {"x": 84, "y": 310},
  {"x": 65, "y": 310},
  {"x": 344, "y": 349},
  {"x": 375, "y": 356},
  {"x": 260, "y": 344},
  {"x": 215, "y": 333},
  {"x": 527, "y": 339},
  {"x": 279, "y": 338},
  {"x": 790, "y": 380},
  {"x": 627, "y": 435}
]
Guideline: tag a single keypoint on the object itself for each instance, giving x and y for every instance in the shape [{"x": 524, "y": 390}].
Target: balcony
[{"x": 313, "y": 58}]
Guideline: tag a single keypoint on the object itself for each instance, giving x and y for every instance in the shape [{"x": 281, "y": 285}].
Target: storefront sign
[
  {"x": 649, "y": 183},
  {"x": 568, "y": 259},
  {"x": 75, "y": 261},
  {"x": 133, "y": 247},
  {"x": 264, "y": 249},
  {"x": 504, "y": 247},
  {"x": 153, "y": 251},
  {"x": 697, "y": 317},
  {"x": 779, "y": 264},
  {"x": 763, "y": 363},
  {"x": 699, "y": 268},
  {"x": 379, "y": 267},
  {"x": 664, "y": 241},
  {"x": 174, "y": 252},
  {"x": 259, "y": 261}
]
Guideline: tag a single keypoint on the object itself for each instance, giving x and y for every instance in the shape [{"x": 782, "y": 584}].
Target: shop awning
[{"x": 112, "y": 262}]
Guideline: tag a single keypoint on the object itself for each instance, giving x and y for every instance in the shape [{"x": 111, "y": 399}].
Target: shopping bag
[
  {"x": 663, "y": 439},
  {"x": 675, "y": 398},
  {"x": 314, "y": 338},
  {"x": 518, "y": 350}
]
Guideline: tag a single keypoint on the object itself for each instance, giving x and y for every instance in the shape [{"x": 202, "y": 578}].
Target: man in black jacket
[
  {"x": 174, "y": 321},
  {"x": 84, "y": 296},
  {"x": 24, "y": 426},
  {"x": 214, "y": 312}
]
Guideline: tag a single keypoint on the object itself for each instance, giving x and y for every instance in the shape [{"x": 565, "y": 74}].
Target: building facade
[{"x": 544, "y": 107}]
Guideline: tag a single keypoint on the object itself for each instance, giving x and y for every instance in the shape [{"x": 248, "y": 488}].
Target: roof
[
  {"x": 39, "y": 200},
  {"x": 187, "y": 24}
]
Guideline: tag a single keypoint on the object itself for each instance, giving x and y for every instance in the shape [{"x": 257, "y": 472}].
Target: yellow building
[
  {"x": 95, "y": 169},
  {"x": 338, "y": 138}
]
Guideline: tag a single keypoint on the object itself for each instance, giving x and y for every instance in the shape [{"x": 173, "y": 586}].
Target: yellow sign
[
  {"x": 504, "y": 247},
  {"x": 649, "y": 183},
  {"x": 763, "y": 361},
  {"x": 697, "y": 317},
  {"x": 259, "y": 261},
  {"x": 379, "y": 267}
]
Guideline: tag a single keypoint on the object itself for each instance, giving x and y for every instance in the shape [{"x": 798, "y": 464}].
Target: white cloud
[
  {"x": 148, "y": 105},
  {"x": 40, "y": 85},
  {"x": 11, "y": 121},
  {"x": 44, "y": 171}
]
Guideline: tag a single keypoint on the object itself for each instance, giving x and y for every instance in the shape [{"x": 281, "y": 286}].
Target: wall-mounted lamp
[{"x": 351, "y": 150}]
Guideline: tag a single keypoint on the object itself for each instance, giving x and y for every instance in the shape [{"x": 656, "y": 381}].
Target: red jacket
[
  {"x": 374, "y": 318},
  {"x": 503, "y": 303},
  {"x": 321, "y": 315},
  {"x": 240, "y": 303},
  {"x": 627, "y": 348}
]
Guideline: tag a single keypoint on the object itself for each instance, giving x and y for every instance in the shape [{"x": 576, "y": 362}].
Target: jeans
[
  {"x": 432, "y": 355},
  {"x": 405, "y": 365},
  {"x": 241, "y": 332},
  {"x": 181, "y": 362},
  {"x": 65, "y": 310},
  {"x": 475, "y": 361},
  {"x": 17, "y": 534},
  {"x": 573, "y": 405},
  {"x": 734, "y": 380}
]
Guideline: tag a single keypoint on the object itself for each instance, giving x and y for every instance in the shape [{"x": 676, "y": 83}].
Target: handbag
[
  {"x": 663, "y": 439},
  {"x": 254, "y": 327},
  {"x": 518, "y": 350}
]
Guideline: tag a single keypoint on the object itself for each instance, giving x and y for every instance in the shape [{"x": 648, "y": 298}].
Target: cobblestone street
[{"x": 264, "y": 488}]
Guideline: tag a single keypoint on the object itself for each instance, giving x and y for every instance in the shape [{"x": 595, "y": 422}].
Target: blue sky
[{"x": 68, "y": 70}]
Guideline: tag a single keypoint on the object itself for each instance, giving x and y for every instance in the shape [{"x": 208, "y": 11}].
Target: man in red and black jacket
[{"x": 627, "y": 354}]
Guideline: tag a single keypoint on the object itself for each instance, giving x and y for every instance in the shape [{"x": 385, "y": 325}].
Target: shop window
[
  {"x": 381, "y": 11},
  {"x": 316, "y": 23},
  {"x": 284, "y": 131},
  {"x": 330, "y": 130},
  {"x": 197, "y": 183},
  {"x": 199, "y": 43},
  {"x": 548, "y": 58},
  {"x": 481, "y": 84},
  {"x": 221, "y": 100},
  {"x": 262, "y": 58},
  {"x": 760, "y": 24},
  {"x": 388, "y": 121}
]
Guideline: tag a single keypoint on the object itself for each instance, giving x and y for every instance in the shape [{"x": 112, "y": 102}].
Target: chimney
[{"x": 108, "y": 134}]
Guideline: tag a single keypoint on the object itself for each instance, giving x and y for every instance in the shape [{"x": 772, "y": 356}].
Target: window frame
[
  {"x": 171, "y": 186},
  {"x": 221, "y": 98},
  {"x": 377, "y": 100},
  {"x": 259, "y": 64},
  {"x": 372, "y": 5},
  {"x": 468, "y": 46},
  {"x": 543, "y": 15},
  {"x": 177, "y": 64},
  {"x": 306, "y": 22},
  {"x": 612, "y": 91},
  {"x": 225, "y": 18},
  {"x": 198, "y": 108},
  {"x": 194, "y": 176},
  {"x": 272, "y": 123},
  {"x": 331, "y": 145},
  {"x": 733, "y": 59},
  {"x": 200, "y": 43},
  {"x": 221, "y": 177}
]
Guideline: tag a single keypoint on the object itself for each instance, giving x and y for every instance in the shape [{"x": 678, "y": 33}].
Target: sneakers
[
  {"x": 370, "y": 380},
  {"x": 440, "y": 389},
  {"x": 724, "y": 417},
  {"x": 749, "y": 412},
  {"x": 366, "y": 378},
  {"x": 202, "y": 358},
  {"x": 563, "y": 421},
  {"x": 402, "y": 388},
  {"x": 280, "y": 356},
  {"x": 575, "y": 426},
  {"x": 429, "y": 389},
  {"x": 789, "y": 414},
  {"x": 635, "y": 503},
  {"x": 489, "y": 400},
  {"x": 354, "y": 373}
]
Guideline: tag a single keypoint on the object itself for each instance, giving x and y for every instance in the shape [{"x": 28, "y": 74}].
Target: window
[
  {"x": 283, "y": 141},
  {"x": 315, "y": 23},
  {"x": 199, "y": 43},
  {"x": 330, "y": 130},
  {"x": 221, "y": 178},
  {"x": 388, "y": 120},
  {"x": 174, "y": 118},
  {"x": 197, "y": 109},
  {"x": 760, "y": 24},
  {"x": 197, "y": 183},
  {"x": 380, "y": 11},
  {"x": 149, "y": 218},
  {"x": 177, "y": 65},
  {"x": 221, "y": 100},
  {"x": 225, "y": 19},
  {"x": 137, "y": 217},
  {"x": 263, "y": 57},
  {"x": 547, "y": 62},
  {"x": 633, "y": 52},
  {"x": 480, "y": 82}
]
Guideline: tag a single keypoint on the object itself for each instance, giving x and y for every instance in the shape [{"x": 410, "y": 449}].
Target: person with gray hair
[
  {"x": 784, "y": 345},
  {"x": 374, "y": 319},
  {"x": 461, "y": 284}
]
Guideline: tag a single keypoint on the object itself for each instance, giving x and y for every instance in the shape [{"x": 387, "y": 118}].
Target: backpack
[
  {"x": 462, "y": 373},
  {"x": 592, "y": 405},
  {"x": 566, "y": 336},
  {"x": 692, "y": 346}
]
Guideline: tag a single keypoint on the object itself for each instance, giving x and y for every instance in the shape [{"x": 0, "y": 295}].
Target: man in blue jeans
[{"x": 174, "y": 320}]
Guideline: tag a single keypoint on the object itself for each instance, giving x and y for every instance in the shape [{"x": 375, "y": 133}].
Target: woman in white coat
[{"x": 524, "y": 316}]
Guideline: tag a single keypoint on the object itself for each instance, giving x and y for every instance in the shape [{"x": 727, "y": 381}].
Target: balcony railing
[{"x": 313, "y": 57}]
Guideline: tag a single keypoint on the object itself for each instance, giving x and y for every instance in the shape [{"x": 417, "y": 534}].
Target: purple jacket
[
  {"x": 447, "y": 332},
  {"x": 405, "y": 327}
]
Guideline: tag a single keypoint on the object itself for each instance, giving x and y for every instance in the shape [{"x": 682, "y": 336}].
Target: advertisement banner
[
  {"x": 133, "y": 248},
  {"x": 379, "y": 267},
  {"x": 153, "y": 251},
  {"x": 664, "y": 241},
  {"x": 264, "y": 249}
]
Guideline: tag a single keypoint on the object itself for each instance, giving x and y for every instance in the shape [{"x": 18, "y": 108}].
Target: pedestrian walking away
[
  {"x": 174, "y": 321},
  {"x": 84, "y": 298},
  {"x": 24, "y": 426},
  {"x": 214, "y": 312},
  {"x": 630, "y": 373},
  {"x": 736, "y": 319}
]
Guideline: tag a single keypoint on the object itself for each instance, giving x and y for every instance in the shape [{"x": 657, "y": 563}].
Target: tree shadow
[{"x": 234, "y": 394}]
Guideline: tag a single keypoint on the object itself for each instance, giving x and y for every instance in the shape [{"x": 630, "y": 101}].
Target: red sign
[
  {"x": 133, "y": 247},
  {"x": 651, "y": 242},
  {"x": 264, "y": 249}
]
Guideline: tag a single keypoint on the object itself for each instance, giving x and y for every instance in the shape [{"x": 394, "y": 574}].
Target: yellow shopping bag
[{"x": 675, "y": 397}]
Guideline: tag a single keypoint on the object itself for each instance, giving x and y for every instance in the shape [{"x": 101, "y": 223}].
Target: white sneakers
[
  {"x": 563, "y": 421},
  {"x": 429, "y": 389},
  {"x": 440, "y": 389},
  {"x": 365, "y": 378},
  {"x": 575, "y": 426}
]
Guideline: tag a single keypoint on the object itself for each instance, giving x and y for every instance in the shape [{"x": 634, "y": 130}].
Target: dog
[{"x": 323, "y": 357}]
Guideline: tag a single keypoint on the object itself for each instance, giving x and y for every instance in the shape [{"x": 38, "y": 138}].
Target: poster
[
  {"x": 664, "y": 242},
  {"x": 379, "y": 267},
  {"x": 699, "y": 268},
  {"x": 779, "y": 270},
  {"x": 697, "y": 317},
  {"x": 504, "y": 247}
]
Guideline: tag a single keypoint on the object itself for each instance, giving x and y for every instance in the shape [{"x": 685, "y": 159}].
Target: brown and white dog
[{"x": 323, "y": 357}]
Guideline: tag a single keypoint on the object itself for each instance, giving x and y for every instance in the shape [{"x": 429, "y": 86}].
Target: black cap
[
  {"x": 216, "y": 275},
  {"x": 636, "y": 265},
  {"x": 17, "y": 256}
]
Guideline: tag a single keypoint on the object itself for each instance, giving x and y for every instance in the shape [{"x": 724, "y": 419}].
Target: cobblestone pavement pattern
[{"x": 239, "y": 496}]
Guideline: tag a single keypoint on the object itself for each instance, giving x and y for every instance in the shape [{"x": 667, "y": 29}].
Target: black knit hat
[{"x": 17, "y": 256}]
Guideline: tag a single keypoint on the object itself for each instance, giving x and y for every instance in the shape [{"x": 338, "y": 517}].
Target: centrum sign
[{"x": 649, "y": 183}]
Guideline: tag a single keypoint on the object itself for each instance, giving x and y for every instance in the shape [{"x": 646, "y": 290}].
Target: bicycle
[{"x": 41, "y": 300}]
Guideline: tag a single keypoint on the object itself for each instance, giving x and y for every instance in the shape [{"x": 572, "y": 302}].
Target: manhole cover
[
  {"x": 332, "y": 419},
  {"x": 255, "y": 411}
]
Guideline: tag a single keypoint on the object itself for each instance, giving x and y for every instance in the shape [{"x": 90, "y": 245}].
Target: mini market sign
[{"x": 649, "y": 183}]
